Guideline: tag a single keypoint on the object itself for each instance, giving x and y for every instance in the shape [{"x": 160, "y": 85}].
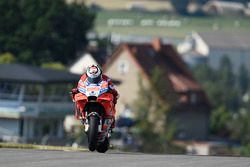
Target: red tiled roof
[
  {"x": 168, "y": 61},
  {"x": 182, "y": 83},
  {"x": 149, "y": 56}
]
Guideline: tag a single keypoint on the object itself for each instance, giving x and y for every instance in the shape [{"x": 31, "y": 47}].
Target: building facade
[{"x": 34, "y": 103}]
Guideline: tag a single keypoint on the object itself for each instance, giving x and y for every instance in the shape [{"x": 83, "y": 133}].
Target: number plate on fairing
[{"x": 94, "y": 89}]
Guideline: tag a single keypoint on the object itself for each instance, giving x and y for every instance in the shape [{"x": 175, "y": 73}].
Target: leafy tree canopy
[
  {"x": 243, "y": 79},
  {"x": 155, "y": 129},
  {"x": 230, "y": 116},
  {"x": 180, "y": 6},
  {"x": 38, "y": 31},
  {"x": 54, "y": 65},
  {"x": 7, "y": 58}
]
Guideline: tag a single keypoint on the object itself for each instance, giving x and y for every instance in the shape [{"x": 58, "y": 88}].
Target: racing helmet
[{"x": 94, "y": 74}]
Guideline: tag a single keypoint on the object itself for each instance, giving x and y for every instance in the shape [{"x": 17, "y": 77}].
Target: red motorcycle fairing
[
  {"x": 105, "y": 99},
  {"x": 80, "y": 96},
  {"x": 80, "y": 102}
]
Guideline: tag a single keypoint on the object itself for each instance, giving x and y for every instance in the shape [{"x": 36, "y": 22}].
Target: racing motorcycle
[{"x": 94, "y": 106}]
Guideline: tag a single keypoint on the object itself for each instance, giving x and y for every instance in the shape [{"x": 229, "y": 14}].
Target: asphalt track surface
[{"x": 42, "y": 158}]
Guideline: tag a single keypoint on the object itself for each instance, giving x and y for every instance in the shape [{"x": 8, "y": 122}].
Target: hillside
[{"x": 164, "y": 24}]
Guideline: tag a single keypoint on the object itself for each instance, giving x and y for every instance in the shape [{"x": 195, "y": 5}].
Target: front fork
[
  {"x": 103, "y": 127},
  {"x": 85, "y": 121}
]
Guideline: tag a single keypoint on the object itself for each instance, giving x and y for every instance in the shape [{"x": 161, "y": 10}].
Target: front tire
[{"x": 93, "y": 132}]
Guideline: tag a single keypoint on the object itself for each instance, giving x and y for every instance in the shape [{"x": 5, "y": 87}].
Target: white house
[
  {"x": 34, "y": 103},
  {"x": 218, "y": 7},
  {"x": 80, "y": 65},
  {"x": 131, "y": 62},
  {"x": 193, "y": 48}
]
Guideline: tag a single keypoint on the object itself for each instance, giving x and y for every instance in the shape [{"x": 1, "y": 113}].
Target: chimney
[{"x": 156, "y": 43}]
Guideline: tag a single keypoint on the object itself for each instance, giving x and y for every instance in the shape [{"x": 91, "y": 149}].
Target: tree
[
  {"x": 209, "y": 79},
  {"x": 240, "y": 126},
  {"x": 202, "y": 1},
  {"x": 230, "y": 119},
  {"x": 227, "y": 84},
  {"x": 7, "y": 58},
  {"x": 43, "y": 30},
  {"x": 219, "y": 120},
  {"x": 180, "y": 6},
  {"x": 226, "y": 74},
  {"x": 54, "y": 65},
  {"x": 243, "y": 79},
  {"x": 219, "y": 85},
  {"x": 151, "y": 108}
]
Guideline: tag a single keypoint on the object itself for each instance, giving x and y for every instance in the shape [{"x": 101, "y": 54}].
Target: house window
[
  {"x": 55, "y": 128},
  {"x": 46, "y": 128},
  {"x": 123, "y": 67},
  {"x": 9, "y": 91},
  {"x": 21, "y": 123},
  {"x": 32, "y": 92},
  {"x": 57, "y": 92}
]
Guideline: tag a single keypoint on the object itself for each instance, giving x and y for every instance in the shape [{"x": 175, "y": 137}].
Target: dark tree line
[
  {"x": 229, "y": 94},
  {"x": 181, "y": 6},
  {"x": 38, "y": 31}
]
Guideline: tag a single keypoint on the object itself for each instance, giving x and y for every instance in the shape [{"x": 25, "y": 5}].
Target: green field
[{"x": 188, "y": 24}]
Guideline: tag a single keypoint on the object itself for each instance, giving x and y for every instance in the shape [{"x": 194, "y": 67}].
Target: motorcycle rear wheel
[
  {"x": 93, "y": 132},
  {"x": 103, "y": 147}
]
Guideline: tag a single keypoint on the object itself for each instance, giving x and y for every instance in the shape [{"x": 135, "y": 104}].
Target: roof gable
[{"x": 165, "y": 57}]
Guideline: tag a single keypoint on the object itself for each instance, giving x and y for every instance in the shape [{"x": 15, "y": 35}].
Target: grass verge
[{"x": 40, "y": 147}]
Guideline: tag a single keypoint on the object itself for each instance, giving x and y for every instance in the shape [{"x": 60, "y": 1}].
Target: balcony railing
[
  {"x": 30, "y": 98},
  {"x": 12, "y": 97},
  {"x": 54, "y": 98},
  {"x": 35, "y": 98}
]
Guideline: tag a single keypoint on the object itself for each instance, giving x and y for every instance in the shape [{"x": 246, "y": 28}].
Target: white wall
[
  {"x": 9, "y": 127},
  {"x": 129, "y": 87},
  {"x": 81, "y": 64}
]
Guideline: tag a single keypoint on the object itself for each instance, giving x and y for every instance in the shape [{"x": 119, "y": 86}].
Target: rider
[{"x": 94, "y": 75}]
